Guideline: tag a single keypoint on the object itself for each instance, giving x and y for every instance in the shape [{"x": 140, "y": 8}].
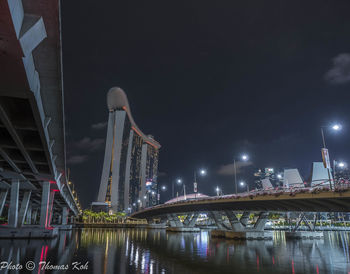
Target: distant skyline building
[{"x": 130, "y": 166}]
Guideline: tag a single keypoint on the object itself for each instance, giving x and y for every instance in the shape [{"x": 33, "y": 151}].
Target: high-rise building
[{"x": 130, "y": 167}]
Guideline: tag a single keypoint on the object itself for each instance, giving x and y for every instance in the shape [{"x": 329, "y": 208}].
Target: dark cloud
[
  {"x": 99, "y": 126},
  {"x": 228, "y": 169},
  {"x": 77, "y": 159},
  {"x": 340, "y": 71},
  {"x": 90, "y": 144},
  {"x": 162, "y": 174}
]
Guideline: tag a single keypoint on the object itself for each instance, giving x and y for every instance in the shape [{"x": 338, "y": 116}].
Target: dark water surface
[{"x": 156, "y": 251}]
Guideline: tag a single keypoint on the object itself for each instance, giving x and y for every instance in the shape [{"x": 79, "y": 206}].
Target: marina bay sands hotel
[{"x": 130, "y": 167}]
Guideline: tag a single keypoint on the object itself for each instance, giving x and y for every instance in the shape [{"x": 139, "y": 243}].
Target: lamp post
[
  {"x": 217, "y": 191},
  {"x": 202, "y": 172},
  {"x": 325, "y": 153},
  {"x": 244, "y": 158}
]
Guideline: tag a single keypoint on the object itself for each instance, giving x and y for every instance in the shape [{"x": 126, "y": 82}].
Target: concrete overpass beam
[
  {"x": 13, "y": 210},
  {"x": 33, "y": 32},
  {"x": 24, "y": 207},
  {"x": 3, "y": 196}
]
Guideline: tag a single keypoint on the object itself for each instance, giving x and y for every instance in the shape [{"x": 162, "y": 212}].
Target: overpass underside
[{"x": 33, "y": 185}]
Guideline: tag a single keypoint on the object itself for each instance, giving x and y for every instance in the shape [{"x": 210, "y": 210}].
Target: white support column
[
  {"x": 24, "y": 207},
  {"x": 64, "y": 216},
  {"x": 3, "y": 196},
  {"x": 44, "y": 207},
  {"x": 13, "y": 210},
  {"x": 117, "y": 149},
  {"x": 107, "y": 159}
]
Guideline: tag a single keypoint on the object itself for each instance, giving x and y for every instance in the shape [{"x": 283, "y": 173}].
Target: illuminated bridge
[
  {"x": 33, "y": 186},
  {"x": 226, "y": 208}
]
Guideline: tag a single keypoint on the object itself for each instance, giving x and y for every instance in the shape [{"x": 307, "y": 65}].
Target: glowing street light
[
  {"x": 279, "y": 176},
  {"x": 203, "y": 172},
  {"x": 163, "y": 188},
  {"x": 336, "y": 127},
  {"x": 341, "y": 164}
]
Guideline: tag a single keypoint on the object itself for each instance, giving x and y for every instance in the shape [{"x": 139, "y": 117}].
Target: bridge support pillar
[
  {"x": 13, "y": 210},
  {"x": 174, "y": 220},
  {"x": 190, "y": 220},
  {"x": 29, "y": 215},
  {"x": 261, "y": 221},
  {"x": 3, "y": 196},
  {"x": 24, "y": 207},
  {"x": 64, "y": 215},
  {"x": 44, "y": 207},
  {"x": 217, "y": 219},
  {"x": 235, "y": 223}
]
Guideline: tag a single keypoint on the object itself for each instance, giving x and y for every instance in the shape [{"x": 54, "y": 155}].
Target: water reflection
[{"x": 155, "y": 251}]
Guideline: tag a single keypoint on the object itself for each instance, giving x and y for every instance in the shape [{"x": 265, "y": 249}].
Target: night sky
[{"x": 210, "y": 80}]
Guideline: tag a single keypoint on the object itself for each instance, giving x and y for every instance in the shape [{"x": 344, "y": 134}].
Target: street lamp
[
  {"x": 245, "y": 158},
  {"x": 163, "y": 188},
  {"x": 242, "y": 184},
  {"x": 325, "y": 153},
  {"x": 202, "y": 172},
  {"x": 179, "y": 182}
]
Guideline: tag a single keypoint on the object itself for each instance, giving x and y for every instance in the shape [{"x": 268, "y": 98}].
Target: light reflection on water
[{"x": 155, "y": 251}]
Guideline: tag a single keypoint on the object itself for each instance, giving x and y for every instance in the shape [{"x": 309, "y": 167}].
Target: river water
[{"x": 156, "y": 251}]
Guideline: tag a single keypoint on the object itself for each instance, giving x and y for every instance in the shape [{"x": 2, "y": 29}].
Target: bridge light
[
  {"x": 336, "y": 127},
  {"x": 245, "y": 157},
  {"x": 341, "y": 164}
]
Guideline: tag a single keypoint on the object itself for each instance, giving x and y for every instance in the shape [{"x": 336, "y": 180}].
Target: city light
[
  {"x": 242, "y": 183},
  {"x": 336, "y": 127},
  {"x": 145, "y": 197},
  {"x": 139, "y": 201},
  {"x": 179, "y": 181},
  {"x": 163, "y": 187},
  {"x": 203, "y": 172},
  {"x": 245, "y": 157},
  {"x": 279, "y": 176},
  {"x": 153, "y": 193},
  {"x": 341, "y": 164},
  {"x": 217, "y": 188}
]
